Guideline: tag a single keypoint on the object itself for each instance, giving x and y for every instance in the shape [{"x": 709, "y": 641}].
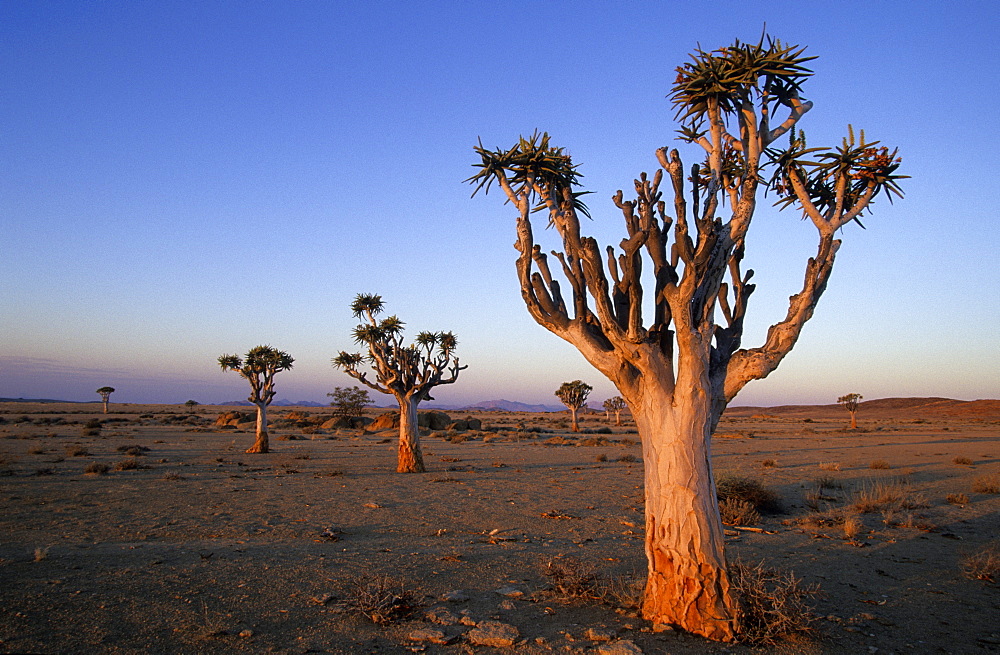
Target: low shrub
[
  {"x": 96, "y": 468},
  {"x": 571, "y": 577},
  {"x": 962, "y": 461},
  {"x": 879, "y": 464},
  {"x": 380, "y": 598},
  {"x": 734, "y": 486},
  {"x": 769, "y": 463},
  {"x": 628, "y": 457},
  {"x": 986, "y": 484},
  {"x": 983, "y": 564},
  {"x": 129, "y": 464},
  {"x": 957, "y": 499},
  {"x": 882, "y": 494},
  {"x": 774, "y": 604},
  {"x": 735, "y": 511}
]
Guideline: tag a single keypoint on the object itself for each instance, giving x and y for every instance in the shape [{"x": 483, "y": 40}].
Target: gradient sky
[{"x": 180, "y": 180}]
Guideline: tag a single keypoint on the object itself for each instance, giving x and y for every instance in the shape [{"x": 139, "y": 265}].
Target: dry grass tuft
[
  {"x": 879, "y": 464},
  {"x": 96, "y": 468},
  {"x": 129, "y": 464},
  {"x": 769, "y": 463},
  {"x": 957, "y": 499},
  {"x": 775, "y": 604},
  {"x": 571, "y": 577},
  {"x": 41, "y": 554},
  {"x": 886, "y": 494},
  {"x": 734, "y": 486},
  {"x": 628, "y": 457},
  {"x": 381, "y": 598},
  {"x": 853, "y": 526},
  {"x": 829, "y": 466},
  {"x": 986, "y": 484},
  {"x": 983, "y": 564},
  {"x": 735, "y": 511},
  {"x": 76, "y": 451},
  {"x": 962, "y": 461}
]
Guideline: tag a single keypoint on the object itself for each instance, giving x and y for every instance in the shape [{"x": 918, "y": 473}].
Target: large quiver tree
[
  {"x": 679, "y": 370},
  {"x": 259, "y": 367},
  {"x": 407, "y": 372}
]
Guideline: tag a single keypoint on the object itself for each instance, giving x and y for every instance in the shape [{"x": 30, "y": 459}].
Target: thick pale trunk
[
  {"x": 260, "y": 445},
  {"x": 105, "y": 406},
  {"x": 854, "y": 421},
  {"x": 688, "y": 584},
  {"x": 576, "y": 424},
  {"x": 409, "y": 458},
  {"x": 618, "y": 418}
]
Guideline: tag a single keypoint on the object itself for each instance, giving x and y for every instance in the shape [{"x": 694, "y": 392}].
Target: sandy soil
[{"x": 206, "y": 549}]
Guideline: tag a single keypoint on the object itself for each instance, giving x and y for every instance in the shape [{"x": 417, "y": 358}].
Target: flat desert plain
[{"x": 187, "y": 545}]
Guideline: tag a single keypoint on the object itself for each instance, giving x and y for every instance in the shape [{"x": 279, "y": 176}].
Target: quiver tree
[
  {"x": 259, "y": 367},
  {"x": 646, "y": 314},
  {"x": 574, "y": 396},
  {"x": 105, "y": 393},
  {"x": 850, "y": 403},
  {"x": 407, "y": 372},
  {"x": 349, "y": 402},
  {"x": 616, "y": 405}
]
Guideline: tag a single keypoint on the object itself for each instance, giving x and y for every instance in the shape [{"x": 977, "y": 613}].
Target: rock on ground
[{"x": 493, "y": 633}]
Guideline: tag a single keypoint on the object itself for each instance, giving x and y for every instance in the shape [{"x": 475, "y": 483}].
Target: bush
[
  {"x": 130, "y": 464},
  {"x": 628, "y": 457},
  {"x": 879, "y": 464},
  {"x": 735, "y": 511},
  {"x": 957, "y": 499},
  {"x": 93, "y": 424},
  {"x": 774, "y": 604},
  {"x": 96, "y": 468},
  {"x": 380, "y": 598},
  {"x": 962, "y": 461},
  {"x": 733, "y": 486},
  {"x": 572, "y": 578},
  {"x": 986, "y": 484},
  {"x": 983, "y": 564},
  {"x": 76, "y": 451}
]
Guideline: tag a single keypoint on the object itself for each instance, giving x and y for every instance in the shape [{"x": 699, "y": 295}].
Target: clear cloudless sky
[{"x": 180, "y": 180}]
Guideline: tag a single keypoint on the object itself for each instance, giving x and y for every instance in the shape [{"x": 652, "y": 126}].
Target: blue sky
[{"x": 180, "y": 180}]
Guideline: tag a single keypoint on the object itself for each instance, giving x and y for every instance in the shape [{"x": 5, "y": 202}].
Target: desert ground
[{"x": 185, "y": 544}]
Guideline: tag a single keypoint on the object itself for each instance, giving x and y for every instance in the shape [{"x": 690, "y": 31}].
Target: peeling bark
[{"x": 409, "y": 458}]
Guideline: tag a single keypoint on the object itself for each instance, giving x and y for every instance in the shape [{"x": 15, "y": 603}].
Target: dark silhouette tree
[
  {"x": 407, "y": 372},
  {"x": 616, "y": 405},
  {"x": 679, "y": 370},
  {"x": 105, "y": 396},
  {"x": 259, "y": 367},
  {"x": 850, "y": 403},
  {"x": 574, "y": 396}
]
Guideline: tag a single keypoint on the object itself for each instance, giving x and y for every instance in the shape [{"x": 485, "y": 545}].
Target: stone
[
  {"x": 432, "y": 635},
  {"x": 620, "y": 647},
  {"x": 441, "y": 616},
  {"x": 506, "y": 605},
  {"x": 596, "y": 634},
  {"x": 456, "y": 596},
  {"x": 510, "y": 591},
  {"x": 493, "y": 633}
]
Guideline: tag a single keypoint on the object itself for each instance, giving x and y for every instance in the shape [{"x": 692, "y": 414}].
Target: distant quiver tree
[
  {"x": 105, "y": 393},
  {"x": 616, "y": 405},
  {"x": 681, "y": 258},
  {"x": 850, "y": 403},
  {"x": 407, "y": 372},
  {"x": 574, "y": 395},
  {"x": 259, "y": 367}
]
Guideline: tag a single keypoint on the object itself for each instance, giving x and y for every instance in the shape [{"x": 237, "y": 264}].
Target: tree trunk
[
  {"x": 260, "y": 445},
  {"x": 854, "y": 421},
  {"x": 409, "y": 458},
  {"x": 688, "y": 583},
  {"x": 105, "y": 406},
  {"x": 618, "y": 418},
  {"x": 576, "y": 425}
]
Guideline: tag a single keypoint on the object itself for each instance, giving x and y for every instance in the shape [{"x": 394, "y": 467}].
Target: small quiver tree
[
  {"x": 406, "y": 372},
  {"x": 679, "y": 370},
  {"x": 259, "y": 367},
  {"x": 574, "y": 396},
  {"x": 616, "y": 405},
  {"x": 105, "y": 393},
  {"x": 349, "y": 402},
  {"x": 850, "y": 403}
]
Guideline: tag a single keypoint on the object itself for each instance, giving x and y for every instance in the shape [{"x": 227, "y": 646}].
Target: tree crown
[
  {"x": 258, "y": 367},
  {"x": 574, "y": 394}
]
